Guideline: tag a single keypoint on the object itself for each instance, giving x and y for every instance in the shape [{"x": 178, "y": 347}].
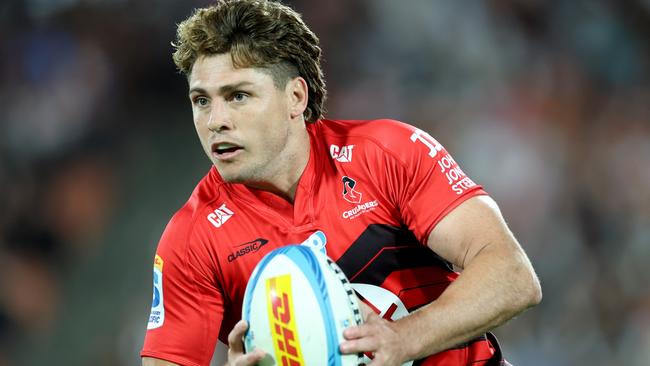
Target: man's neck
[{"x": 285, "y": 174}]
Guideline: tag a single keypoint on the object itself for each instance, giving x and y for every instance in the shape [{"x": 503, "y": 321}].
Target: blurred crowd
[{"x": 545, "y": 103}]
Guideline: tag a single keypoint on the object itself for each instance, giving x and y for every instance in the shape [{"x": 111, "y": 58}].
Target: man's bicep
[
  {"x": 471, "y": 227},
  {"x": 148, "y": 361}
]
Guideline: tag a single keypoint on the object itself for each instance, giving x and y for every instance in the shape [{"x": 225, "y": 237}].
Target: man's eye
[
  {"x": 201, "y": 101},
  {"x": 239, "y": 97}
]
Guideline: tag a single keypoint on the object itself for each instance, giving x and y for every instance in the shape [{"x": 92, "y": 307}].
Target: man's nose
[{"x": 219, "y": 119}]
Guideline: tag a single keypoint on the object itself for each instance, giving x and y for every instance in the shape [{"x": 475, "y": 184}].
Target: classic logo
[
  {"x": 219, "y": 216},
  {"x": 341, "y": 153},
  {"x": 157, "y": 315},
  {"x": 282, "y": 323},
  {"x": 249, "y": 247},
  {"x": 349, "y": 193}
]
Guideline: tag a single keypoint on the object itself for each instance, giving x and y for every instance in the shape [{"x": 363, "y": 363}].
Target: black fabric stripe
[
  {"x": 392, "y": 259},
  {"x": 405, "y": 252},
  {"x": 369, "y": 243}
]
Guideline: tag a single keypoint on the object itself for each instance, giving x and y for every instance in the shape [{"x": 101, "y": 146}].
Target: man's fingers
[
  {"x": 356, "y": 332},
  {"x": 366, "y": 344},
  {"x": 251, "y": 358},
  {"x": 363, "y": 330},
  {"x": 235, "y": 343},
  {"x": 236, "y": 356}
]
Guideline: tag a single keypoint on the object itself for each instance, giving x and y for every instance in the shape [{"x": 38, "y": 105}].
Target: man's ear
[{"x": 298, "y": 94}]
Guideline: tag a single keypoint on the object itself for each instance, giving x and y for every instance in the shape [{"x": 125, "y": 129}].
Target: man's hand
[
  {"x": 236, "y": 356},
  {"x": 377, "y": 336}
]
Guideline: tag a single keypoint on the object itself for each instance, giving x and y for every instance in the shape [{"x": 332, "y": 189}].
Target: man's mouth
[{"x": 225, "y": 150}]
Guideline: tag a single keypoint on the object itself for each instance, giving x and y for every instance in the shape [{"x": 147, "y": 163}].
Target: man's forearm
[{"x": 497, "y": 285}]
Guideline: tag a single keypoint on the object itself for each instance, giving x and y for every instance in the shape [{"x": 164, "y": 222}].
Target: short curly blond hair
[{"x": 257, "y": 33}]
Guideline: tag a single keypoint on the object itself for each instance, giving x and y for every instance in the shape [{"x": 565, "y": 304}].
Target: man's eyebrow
[
  {"x": 197, "y": 90},
  {"x": 222, "y": 90}
]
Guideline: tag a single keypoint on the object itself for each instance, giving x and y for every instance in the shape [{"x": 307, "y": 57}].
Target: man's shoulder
[
  {"x": 382, "y": 135},
  {"x": 377, "y": 128},
  {"x": 207, "y": 191}
]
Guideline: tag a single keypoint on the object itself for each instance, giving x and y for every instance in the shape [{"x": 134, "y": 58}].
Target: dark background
[{"x": 545, "y": 103}]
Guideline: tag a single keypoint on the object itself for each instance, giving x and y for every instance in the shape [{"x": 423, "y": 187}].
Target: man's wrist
[{"x": 410, "y": 343}]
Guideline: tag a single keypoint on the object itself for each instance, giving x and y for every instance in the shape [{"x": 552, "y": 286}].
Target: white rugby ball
[{"x": 297, "y": 303}]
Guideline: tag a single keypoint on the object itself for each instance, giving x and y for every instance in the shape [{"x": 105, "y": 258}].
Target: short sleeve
[
  {"x": 428, "y": 182},
  {"x": 187, "y": 305}
]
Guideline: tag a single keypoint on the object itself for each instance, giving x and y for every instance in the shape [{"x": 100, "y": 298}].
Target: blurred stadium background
[{"x": 545, "y": 103}]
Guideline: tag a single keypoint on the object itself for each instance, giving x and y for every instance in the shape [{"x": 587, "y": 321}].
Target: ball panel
[
  {"x": 306, "y": 259},
  {"x": 296, "y": 303},
  {"x": 276, "y": 324}
]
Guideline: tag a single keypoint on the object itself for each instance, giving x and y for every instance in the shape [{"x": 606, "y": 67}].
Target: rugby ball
[{"x": 297, "y": 304}]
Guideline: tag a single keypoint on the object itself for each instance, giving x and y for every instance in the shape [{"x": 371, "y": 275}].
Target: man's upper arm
[
  {"x": 468, "y": 229},
  {"x": 148, "y": 361}
]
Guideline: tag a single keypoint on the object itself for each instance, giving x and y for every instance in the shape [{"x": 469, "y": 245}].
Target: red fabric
[
  {"x": 477, "y": 353},
  {"x": 398, "y": 178}
]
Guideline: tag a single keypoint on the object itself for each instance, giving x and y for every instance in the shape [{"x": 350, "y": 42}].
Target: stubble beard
[{"x": 268, "y": 164}]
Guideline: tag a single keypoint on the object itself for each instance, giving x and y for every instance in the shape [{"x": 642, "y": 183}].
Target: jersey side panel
[{"x": 190, "y": 299}]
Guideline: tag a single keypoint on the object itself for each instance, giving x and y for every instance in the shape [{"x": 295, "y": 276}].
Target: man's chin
[
  {"x": 229, "y": 178},
  {"x": 227, "y": 175},
  {"x": 234, "y": 180},
  {"x": 236, "y": 174}
]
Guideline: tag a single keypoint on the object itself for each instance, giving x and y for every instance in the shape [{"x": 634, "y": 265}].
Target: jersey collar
[{"x": 302, "y": 211}]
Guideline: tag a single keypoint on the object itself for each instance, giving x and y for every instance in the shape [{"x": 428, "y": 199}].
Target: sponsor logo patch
[
  {"x": 249, "y": 247},
  {"x": 456, "y": 178},
  {"x": 353, "y": 196},
  {"x": 349, "y": 193},
  {"x": 431, "y": 143},
  {"x": 157, "y": 315},
  {"x": 219, "y": 216},
  {"x": 360, "y": 209},
  {"x": 279, "y": 299},
  {"x": 341, "y": 154}
]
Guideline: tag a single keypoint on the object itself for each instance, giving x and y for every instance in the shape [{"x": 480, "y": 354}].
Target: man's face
[{"x": 242, "y": 119}]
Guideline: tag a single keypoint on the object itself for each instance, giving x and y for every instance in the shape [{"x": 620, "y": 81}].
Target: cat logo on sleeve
[{"x": 157, "y": 316}]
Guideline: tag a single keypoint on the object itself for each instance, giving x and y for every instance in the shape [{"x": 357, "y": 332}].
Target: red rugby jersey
[{"x": 374, "y": 188}]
